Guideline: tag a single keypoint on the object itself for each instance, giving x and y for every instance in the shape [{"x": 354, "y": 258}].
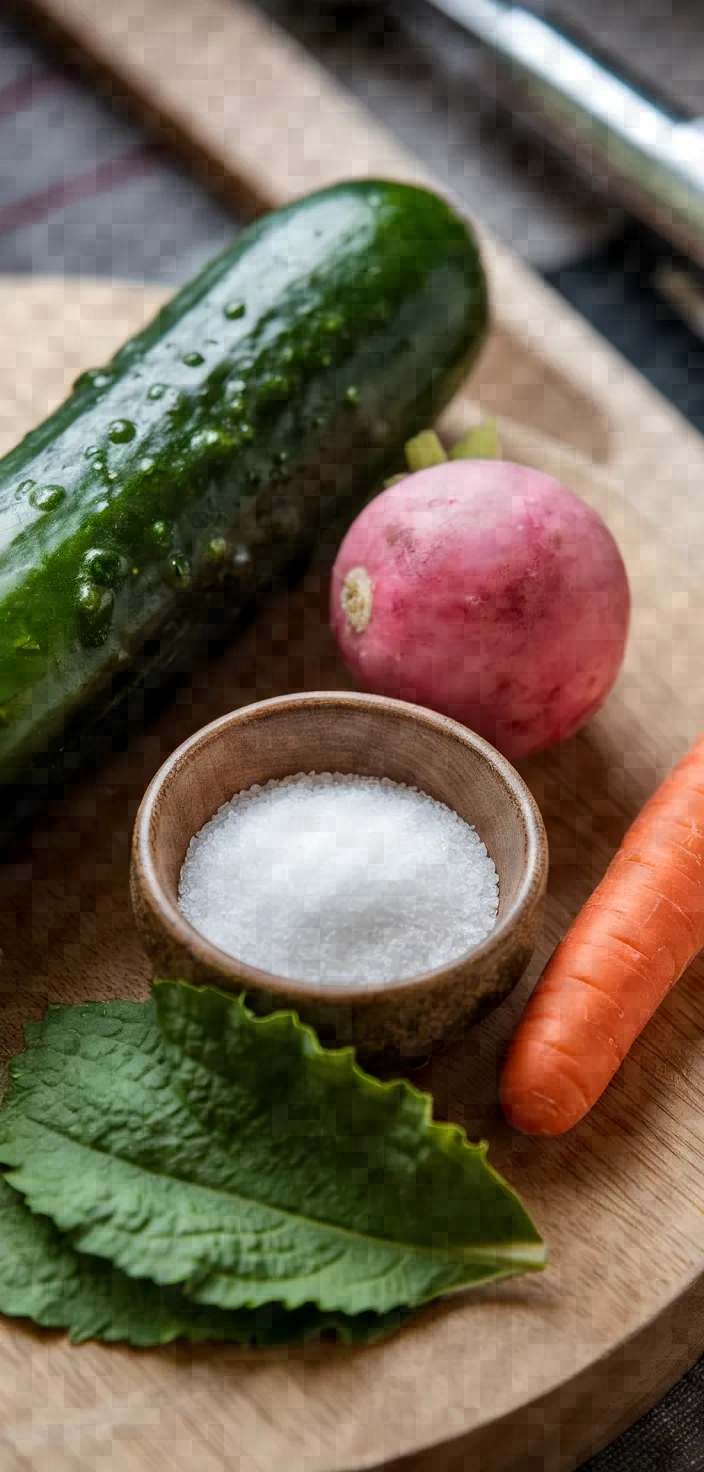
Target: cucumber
[{"x": 272, "y": 391}]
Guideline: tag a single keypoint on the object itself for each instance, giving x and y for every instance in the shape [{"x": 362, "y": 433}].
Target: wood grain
[
  {"x": 530, "y": 1376},
  {"x": 533, "y": 1377}
]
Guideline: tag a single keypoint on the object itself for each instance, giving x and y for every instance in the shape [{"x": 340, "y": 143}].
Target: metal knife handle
[{"x": 651, "y": 160}]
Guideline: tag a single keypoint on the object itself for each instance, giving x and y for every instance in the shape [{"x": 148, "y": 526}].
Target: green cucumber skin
[{"x": 272, "y": 391}]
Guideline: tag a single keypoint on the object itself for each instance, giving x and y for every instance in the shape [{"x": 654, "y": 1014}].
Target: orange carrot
[{"x": 637, "y": 933}]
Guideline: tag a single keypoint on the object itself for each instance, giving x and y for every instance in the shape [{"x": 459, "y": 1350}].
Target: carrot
[{"x": 635, "y": 936}]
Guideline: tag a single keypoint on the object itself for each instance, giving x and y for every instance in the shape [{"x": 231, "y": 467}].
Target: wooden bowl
[{"x": 350, "y": 733}]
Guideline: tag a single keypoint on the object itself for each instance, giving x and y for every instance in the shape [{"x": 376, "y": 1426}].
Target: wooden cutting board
[{"x": 532, "y": 1375}]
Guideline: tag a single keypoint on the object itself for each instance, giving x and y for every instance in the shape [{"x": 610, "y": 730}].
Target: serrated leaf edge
[
  {"x": 508, "y": 1259},
  {"x": 452, "y": 1139}
]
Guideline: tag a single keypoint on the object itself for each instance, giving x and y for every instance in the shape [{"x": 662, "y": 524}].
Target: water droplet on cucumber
[
  {"x": 94, "y": 607},
  {"x": 177, "y": 572},
  {"x": 47, "y": 498},
  {"x": 208, "y": 438},
  {"x": 234, "y": 310},
  {"x": 161, "y": 534},
  {"x": 89, "y": 597},
  {"x": 157, "y": 391},
  {"x": 193, "y": 359},
  {"x": 105, "y": 567},
  {"x": 121, "y": 431},
  {"x": 94, "y": 378}
]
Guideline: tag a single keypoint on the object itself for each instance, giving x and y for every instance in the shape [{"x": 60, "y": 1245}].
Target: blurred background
[{"x": 84, "y": 190}]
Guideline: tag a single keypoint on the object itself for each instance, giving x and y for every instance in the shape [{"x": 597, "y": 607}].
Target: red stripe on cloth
[
  {"x": 26, "y": 90},
  {"x": 99, "y": 180}
]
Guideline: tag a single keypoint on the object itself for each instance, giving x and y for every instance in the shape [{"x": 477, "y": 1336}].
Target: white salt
[{"x": 339, "y": 879}]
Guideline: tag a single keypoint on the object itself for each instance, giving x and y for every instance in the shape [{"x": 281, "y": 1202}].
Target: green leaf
[
  {"x": 236, "y": 1156},
  {"x": 43, "y": 1277},
  {"x": 480, "y": 443},
  {"x": 424, "y": 450}
]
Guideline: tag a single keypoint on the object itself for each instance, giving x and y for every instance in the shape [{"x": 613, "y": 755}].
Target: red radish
[{"x": 488, "y": 591}]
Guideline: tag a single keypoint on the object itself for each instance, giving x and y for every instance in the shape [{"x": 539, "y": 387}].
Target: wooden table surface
[{"x": 565, "y": 1361}]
